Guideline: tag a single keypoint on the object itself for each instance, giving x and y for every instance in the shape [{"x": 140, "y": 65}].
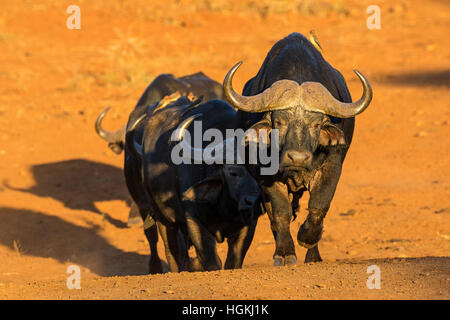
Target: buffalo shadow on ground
[
  {"x": 437, "y": 78},
  {"x": 42, "y": 235},
  {"x": 78, "y": 184}
]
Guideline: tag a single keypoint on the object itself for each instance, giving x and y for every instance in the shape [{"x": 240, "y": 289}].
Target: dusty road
[{"x": 62, "y": 194}]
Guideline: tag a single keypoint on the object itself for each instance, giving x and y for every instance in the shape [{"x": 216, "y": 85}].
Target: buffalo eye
[
  {"x": 278, "y": 123},
  {"x": 316, "y": 125}
]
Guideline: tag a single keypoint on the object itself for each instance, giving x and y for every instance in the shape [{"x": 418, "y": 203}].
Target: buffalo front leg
[
  {"x": 279, "y": 210},
  {"x": 322, "y": 188},
  {"x": 151, "y": 233},
  {"x": 204, "y": 243},
  {"x": 310, "y": 234},
  {"x": 238, "y": 246},
  {"x": 177, "y": 256},
  {"x": 313, "y": 255}
]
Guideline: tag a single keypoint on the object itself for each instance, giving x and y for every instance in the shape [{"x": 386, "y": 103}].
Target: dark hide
[
  {"x": 198, "y": 201},
  {"x": 312, "y": 145}
]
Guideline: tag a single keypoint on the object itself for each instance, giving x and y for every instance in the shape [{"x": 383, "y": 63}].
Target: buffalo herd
[{"x": 196, "y": 156}]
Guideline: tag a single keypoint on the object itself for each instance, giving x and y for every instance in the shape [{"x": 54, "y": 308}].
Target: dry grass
[{"x": 18, "y": 247}]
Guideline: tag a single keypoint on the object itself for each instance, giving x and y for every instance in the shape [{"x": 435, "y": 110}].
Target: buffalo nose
[
  {"x": 297, "y": 158},
  {"x": 115, "y": 147},
  {"x": 247, "y": 202}
]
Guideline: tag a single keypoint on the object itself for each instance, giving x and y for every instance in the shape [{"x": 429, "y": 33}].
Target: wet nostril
[
  {"x": 298, "y": 157},
  {"x": 250, "y": 200},
  {"x": 290, "y": 156}
]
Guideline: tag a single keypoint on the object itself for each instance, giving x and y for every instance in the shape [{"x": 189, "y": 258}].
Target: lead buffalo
[
  {"x": 297, "y": 92},
  {"x": 204, "y": 203}
]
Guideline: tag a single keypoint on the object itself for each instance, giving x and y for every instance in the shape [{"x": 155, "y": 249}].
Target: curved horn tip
[
  {"x": 361, "y": 77},
  {"x": 104, "y": 112},
  {"x": 237, "y": 65},
  {"x": 228, "y": 91},
  {"x": 136, "y": 123},
  {"x": 359, "y": 74},
  {"x": 133, "y": 147},
  {"x": 234, "y": 68},
  {"x": 184, "y": 125},
  {"x": 364, "y": 80},
  {"x": 98, "y": 124},
  {"x": 189, "y": 120},
  {"x": 367, "y": 93}
]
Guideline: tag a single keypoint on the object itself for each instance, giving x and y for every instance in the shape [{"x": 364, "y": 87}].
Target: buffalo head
[
  {"x": 300, "y": 113},
  {"x": 230, "y": 183}
]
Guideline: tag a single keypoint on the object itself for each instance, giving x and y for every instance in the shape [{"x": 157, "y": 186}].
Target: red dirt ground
[{"x": 392, "y": 204}]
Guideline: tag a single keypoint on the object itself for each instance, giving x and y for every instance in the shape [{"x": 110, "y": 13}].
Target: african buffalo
[
  {"x": 164, "y": 85},
  {"x": 204, "y": 203},
  {"x": 198, "y": 84},
  {"x": 299, "y": 93}
]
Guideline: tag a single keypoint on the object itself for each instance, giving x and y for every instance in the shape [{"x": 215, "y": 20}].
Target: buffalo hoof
[
  {"x": 134, "y": 222},
  {"x": 308, "y": 236},
  {"x": 313, "y": 255},
  {"x": 211, "y": 265},
  {"x": 155, "y": 267},
  {"x": 279, "y": 261},
  {"x": 290, "y": 260},
  {"x": 195, "y": 265}
]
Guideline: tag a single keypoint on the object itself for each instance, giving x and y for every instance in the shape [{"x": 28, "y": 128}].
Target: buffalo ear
[
  {"x": 205, "y": 191},
  {"x": 262, "y": 128},
  {"x": 330, "y": 135}
]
